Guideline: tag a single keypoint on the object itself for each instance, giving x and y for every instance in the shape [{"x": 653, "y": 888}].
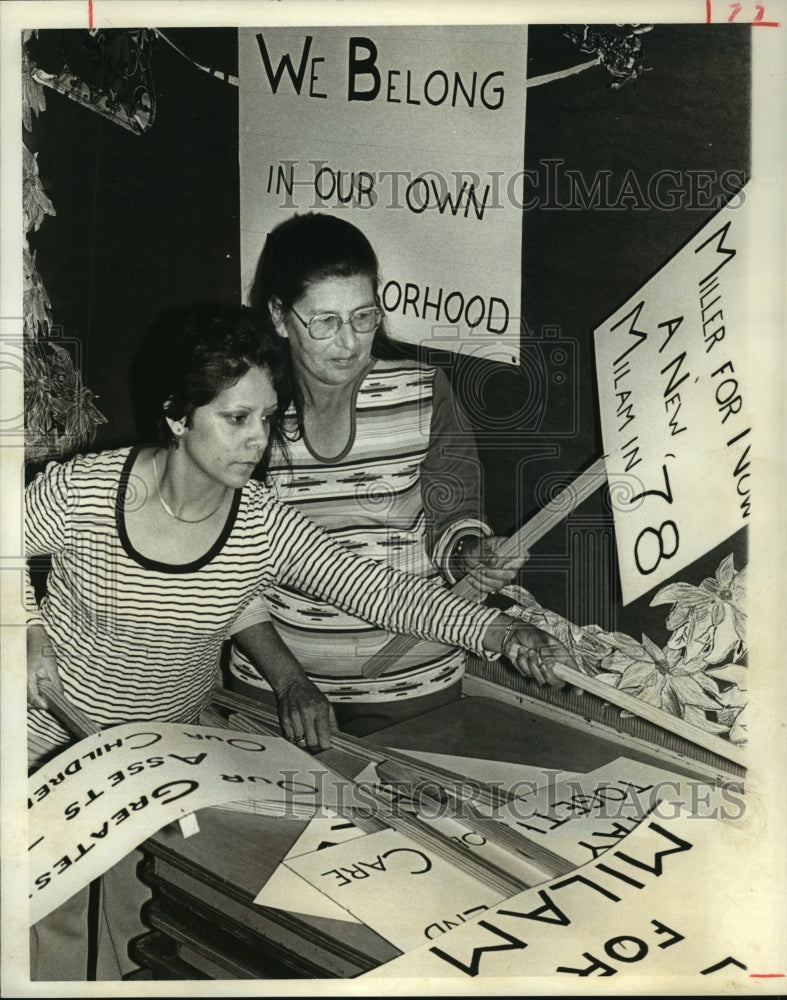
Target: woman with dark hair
[
  {"x": 376, "y": 454},
  {"x": 156, "y": 550}
]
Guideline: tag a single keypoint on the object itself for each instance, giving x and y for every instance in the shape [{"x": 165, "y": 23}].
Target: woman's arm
[
  {"x": 46, "y": 505},
  {"x": 304, "y": 711},
  {"x": 532, "y": 651},
  {"x": 459, "y": 540},
  {"x": 308, "y": 559},
  {"x": 451, "y": 477}
]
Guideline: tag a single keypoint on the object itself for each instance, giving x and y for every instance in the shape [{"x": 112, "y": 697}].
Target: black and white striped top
[{"x": 137, "y": 639}]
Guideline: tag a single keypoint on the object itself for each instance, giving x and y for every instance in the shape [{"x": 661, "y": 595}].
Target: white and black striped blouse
[{"x": 137, "y": 639}]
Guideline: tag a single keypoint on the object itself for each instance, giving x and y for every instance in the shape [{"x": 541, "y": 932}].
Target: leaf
[
  {"x": 739, "y": 619},
  {"x": 33, "y": 97},
  {"x": 590, "y": 641},
  {"x": 739, "y": 734},
  {"x": 698, "y": 718},
  {"x": 670, "y": 701},
  {"x": 678, "y": 617},
  {"x": 727, "y": 716},
  {"x": 676, "y": 593},
  {"x": 36, "y": 203},
  {"x": 680, "y": 637},
  {"x": 637, "y": 675},
  {"x": 726, "y": 571},
  {"x": 609, "y": 678},
  {"x": 616, "y": 662},
  {"x": 589, "y": 662},
  {"x": 652, "y": 692},
  {"x": 650, "y": 647},
  {"x": 734, "y": 698},
  {"x": 689, "y": 692},
  {"x": 626, "y": 645},
  {"x": 708, "y": 684},
  {"x": 733, "y": 673},
  {"x": 55, "y": 400},
  {"x": 522, "y": 597}
]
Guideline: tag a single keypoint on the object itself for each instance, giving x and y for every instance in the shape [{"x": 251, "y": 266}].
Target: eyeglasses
[{"x": 323, "y": 326}]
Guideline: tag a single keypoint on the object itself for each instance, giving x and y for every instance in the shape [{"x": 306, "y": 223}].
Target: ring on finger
[{"x": 300, "y": 741}]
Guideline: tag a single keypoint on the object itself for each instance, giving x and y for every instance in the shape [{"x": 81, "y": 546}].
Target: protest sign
[
  {"x": 99, "y": 799},
  {"x": 676, "y": 404},
  {"x": 579, "y": 819},
  {"x": 394, "y": 885},
  {"x": 415, "y": 135},
  {"x": 641, "y": 910},
  {"x": 285, "y": 890}
]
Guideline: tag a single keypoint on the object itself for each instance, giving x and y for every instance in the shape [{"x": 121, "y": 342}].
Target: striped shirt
[
  {"x": 404, "y": 489},
  {"x": 137, "y": 639}
]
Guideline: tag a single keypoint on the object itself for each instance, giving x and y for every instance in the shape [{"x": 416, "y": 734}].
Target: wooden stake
[
  {"x": 583, "y": 486},
  {"x": 630, "y": 703}
]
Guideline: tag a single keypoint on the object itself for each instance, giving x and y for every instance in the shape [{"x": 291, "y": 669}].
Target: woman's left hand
[
  {"x": 485, "y": 568},
  {"x": 535, "y": 653}
]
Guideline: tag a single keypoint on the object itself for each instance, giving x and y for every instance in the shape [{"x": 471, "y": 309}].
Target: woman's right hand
[
  {"x": 305, "y": 714},
  {"x": 41, "y": 666},
  {"x": 530, "y": 650}
]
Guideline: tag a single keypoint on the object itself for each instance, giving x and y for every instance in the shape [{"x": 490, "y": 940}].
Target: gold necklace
[{"x": 171, "y": 512}]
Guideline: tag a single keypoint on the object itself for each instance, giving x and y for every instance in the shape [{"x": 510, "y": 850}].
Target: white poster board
[
  {"x": 676, "y": 402},
  {"x": 639, "y": 911},
  {"x": 415, "y": 135},
  {"x": 759, "y": 882},
  {"x": 99, "y": 799}
]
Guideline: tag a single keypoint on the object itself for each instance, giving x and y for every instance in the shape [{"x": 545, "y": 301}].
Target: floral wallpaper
[
  {"x": 699, "y": 675},
  {"x": 60, "y": 416}
]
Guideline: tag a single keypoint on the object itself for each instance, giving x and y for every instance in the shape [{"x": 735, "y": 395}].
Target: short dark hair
[{"x": 207, "y": 350}]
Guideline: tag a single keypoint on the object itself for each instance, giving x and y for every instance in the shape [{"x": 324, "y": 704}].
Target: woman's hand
[
  {"x": 482, "y": 565},
  {"x": 533, "y": 652},
  {"x": 305, "y": 714},
  {"x": 41, "y": 666}
]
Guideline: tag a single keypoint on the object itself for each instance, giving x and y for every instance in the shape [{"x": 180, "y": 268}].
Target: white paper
[
  {"x": 580, "y": 819},
  {"x": 677, "y": 401},
  {"x": 285, "y": 890},
  {"x": 394, "y": 885},
  {"x": 642, "y": 910},
  {"x": 100, "y": 798},
  {"x": 415, "y": 170}
]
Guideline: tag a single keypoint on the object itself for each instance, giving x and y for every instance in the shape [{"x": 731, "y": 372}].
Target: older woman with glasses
[{"x": 376, "y": 455}]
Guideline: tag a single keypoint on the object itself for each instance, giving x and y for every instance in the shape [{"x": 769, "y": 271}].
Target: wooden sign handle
[
  {"x": 73, "y": 718},
  {"x": 672, "y": 723},
  {"x": 542, "y": 522}
]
